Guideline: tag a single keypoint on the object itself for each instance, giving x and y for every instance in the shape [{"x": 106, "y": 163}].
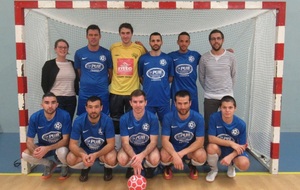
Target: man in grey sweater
[{"x": 217, "y": 74}]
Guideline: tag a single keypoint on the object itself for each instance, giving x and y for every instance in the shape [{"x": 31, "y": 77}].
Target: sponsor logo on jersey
[
  {"x": 83, "y": 58},
  {"x": 225, "y": 137},
  {"x": 94, "y": 66},
  {"x": 146, "y": 63},
  {"x": 58, "y": 125},
  {"x": 162, "y": 62},
  {"x": 184, "y": 69},
  {"x": 93, "y": 143},
  {"x": 52, "y": 136},
  {"x": 139, "y": 139},
  {"x": 184, "y": 136},
  {"x": 146, "y": 127},
  {"x": 175, "y": 59},
  {"x": 191, "y": 58},
  {"x": 191, "y": 124},
  {"x": 155, "y": 73},
  {"x": 40, "y": 127},
  {"x": 235, "y": 132},
  {"x": 173, "y": 126},
  {"x": 125, "y": 66}
]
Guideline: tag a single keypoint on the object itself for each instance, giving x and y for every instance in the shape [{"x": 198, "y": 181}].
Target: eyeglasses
[
  {"x": 62, "y": 47},
  {"x": 214, "y": 39}
]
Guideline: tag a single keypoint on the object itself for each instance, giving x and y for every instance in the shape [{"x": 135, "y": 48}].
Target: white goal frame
[{"x": 279, "y": 6}]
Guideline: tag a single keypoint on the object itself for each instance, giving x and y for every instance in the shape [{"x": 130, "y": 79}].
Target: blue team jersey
[
  {"x": 52, "y": 131},
  {"x": 183, "y": 133},
  {"x": 93, "y": 137},
  {"x": 94, "y": 67},
  {"x": 185, "y": 74},
  {"x": 156, "y": 71},
  {"x": 235, "y": 131},
  {"x": 139, "y": 131}
]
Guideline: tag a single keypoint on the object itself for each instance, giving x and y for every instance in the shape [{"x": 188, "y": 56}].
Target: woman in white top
[{"x": 61, "y": 78}]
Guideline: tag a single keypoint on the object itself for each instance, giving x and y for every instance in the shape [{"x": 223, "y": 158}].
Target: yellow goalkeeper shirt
[{"x": 125, "y": 77}]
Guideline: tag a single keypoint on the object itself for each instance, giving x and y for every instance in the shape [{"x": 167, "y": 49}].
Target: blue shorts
[
  {"x": 161, "y": 111},
  {"x": 227, "y": 150}
]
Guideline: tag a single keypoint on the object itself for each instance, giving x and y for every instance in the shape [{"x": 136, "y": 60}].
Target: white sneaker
[
  {"x": 231, "y": 171},
  {"x": 211, "y": 176}
]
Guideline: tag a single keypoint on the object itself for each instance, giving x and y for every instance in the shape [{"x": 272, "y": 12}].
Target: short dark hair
[
  {"x": 216, "y": 31},
  {"x": 183, "y": 93},
  {"x": 155, "y": 34},
  {"x": 93, "y": 27},
  {"x": 48, "y": 94},
  {"x": 228, "y": 99},
  {"x": 93, "y": 99},
  {"x": 137, "y": 92},
  {"x": 183, "y": 34},
  {"x": 60, "y": 40},
  {"x": 126, "y": 25}
]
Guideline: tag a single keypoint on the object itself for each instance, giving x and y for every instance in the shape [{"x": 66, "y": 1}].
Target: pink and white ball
[{"x": 137, "y": 182}]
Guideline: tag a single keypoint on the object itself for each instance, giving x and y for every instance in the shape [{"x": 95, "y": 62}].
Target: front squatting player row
[{"x": 182, "y": 139}]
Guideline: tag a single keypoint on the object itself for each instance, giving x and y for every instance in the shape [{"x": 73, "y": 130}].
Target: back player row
[
  {"x": 128, "y": 61},
  {"x": 182, "y": 138}
]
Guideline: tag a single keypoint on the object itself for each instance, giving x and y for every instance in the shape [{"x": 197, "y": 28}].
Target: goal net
[{"x": 251, "y": 33}]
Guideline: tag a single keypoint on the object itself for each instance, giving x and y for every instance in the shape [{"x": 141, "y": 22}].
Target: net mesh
[{"x": 251, "y": 33}]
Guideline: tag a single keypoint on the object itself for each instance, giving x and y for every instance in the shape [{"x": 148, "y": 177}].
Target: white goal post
[{"x": 254, "y": 29}]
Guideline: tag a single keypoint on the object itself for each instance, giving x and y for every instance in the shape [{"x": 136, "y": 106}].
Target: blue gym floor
[{"x": 289, "y": 150}]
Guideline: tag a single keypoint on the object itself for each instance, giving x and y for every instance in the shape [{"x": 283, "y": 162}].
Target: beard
[
  {"x": 155, "y": 47},
  {"x": 50, "y": 111},
  {"x": 94, "y": 115},
  {"x": 183, "y": 112},
  {"x": 216, "y": 46}
]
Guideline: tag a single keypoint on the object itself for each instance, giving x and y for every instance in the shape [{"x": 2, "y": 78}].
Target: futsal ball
[{"x": 137, "y": 182}]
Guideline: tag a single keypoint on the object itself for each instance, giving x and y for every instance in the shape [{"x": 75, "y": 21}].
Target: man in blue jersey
[
  {"x": 52, "y": 126},
  {"x": 156, "y": 72},
  {"x": 94, "y": 65},
  {"x": 217, "y": 74},
  {"x": 182, "y": 137},
  {"x": 96, "y": 131},
  {"x": 139, "y": 133},
  {"x": 227, "y": 140},
  {"x": 185, "y": 72}
]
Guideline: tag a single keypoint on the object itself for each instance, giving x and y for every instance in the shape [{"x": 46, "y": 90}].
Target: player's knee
[
  {"x": 212, "y": 148},
  {"x": 111, "y": 158},
  {"x": 71, "y": 159},
  {"x": 26, "y": 151},
  {"x": 62, "y": 152},
  {"x": 165, "y": 157},
  {"x": 243, "y": 164},
  {"x": 202, "y": 158},
  {"x": 154, "y": 160},
  {"x": 123, "y": 159},
  {"x": 25, "y": 155}
]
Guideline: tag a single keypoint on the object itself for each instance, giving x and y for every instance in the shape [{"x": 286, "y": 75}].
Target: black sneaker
[
  {"x": 107, "y": 174},
  {"x": 129, "y": 172},
  {"x": 149, "y": 172},
  {"x": 84, "y": 175}
]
